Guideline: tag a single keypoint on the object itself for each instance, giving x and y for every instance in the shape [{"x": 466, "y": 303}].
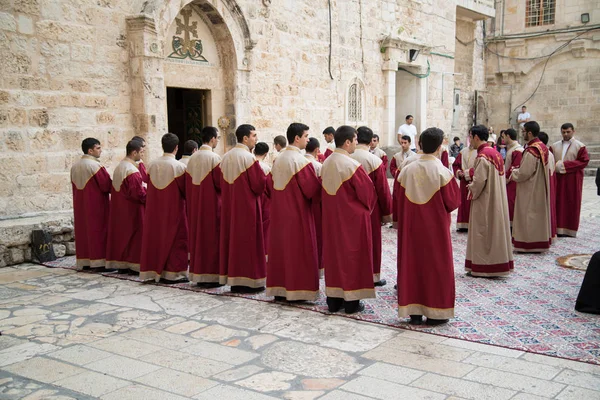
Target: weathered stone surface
[
  {"x": 70, "y": 248},
  {"x": 8, "y": 22},
  {"x": 59, "y": 250},
  {"x": 302, "y": 359}
]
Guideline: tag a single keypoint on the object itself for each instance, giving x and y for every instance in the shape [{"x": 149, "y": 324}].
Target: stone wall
[
  {"x": 77, "y": 68},
  {"x": 569, "y": 82},
  {"x": 15, "y": 236}
]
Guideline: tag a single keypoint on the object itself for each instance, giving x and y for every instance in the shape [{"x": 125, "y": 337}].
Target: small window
[
  {"x": 540, "y": 12},
  {"x": 355, "y": 105}
]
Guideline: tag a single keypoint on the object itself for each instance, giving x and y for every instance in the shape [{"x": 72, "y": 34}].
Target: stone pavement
[{"x": 68, "y": 335}]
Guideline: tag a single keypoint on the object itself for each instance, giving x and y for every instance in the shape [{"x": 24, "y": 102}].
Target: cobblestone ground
[{"x": 68, "y": 335}]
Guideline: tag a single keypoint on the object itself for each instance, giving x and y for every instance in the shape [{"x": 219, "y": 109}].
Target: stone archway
[{"x": 148, "y": 43}]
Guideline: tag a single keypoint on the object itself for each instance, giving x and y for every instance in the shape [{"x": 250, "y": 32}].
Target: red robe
[
  {"x": 91, "y": 185},
  {"x": 428, "y": 193},
  {"x": 318, "y": 213},
  {"x": 265, "y": 204},
  {"x": 126, "y": 221},
  {"x": 329, "y": 151},
  {"x": 514, "y": 155},
  {"x": 569, "y": 184},
  {"x": 203, "y": 201},
  {"x": 321, "y": 158},
  {"x": 243, "y": 181},
  {"x": 464, "y": 162},
  {"x": 395, "y": 165},
  {"x": 381, "y": 155},
  {"x": 445, "y": 159},
  {"x": 348, "y": 198},
  {"x": 552, "y": 168},
  {"x": 165, "y": 239},
  {"x": 377, "y": 171},
  {"x": 293, "y": 266},
  {"x": 143, "y": 171}
]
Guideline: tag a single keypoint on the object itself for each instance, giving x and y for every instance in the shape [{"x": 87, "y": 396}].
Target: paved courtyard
[{"x": 68, "y": 335}]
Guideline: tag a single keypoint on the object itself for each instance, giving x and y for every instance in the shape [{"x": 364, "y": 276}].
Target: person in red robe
[
  {"x": 140, "y": 164},
  {"x": 328, "y": 135},
  {"x": 397, "y": 161},
  {"x": 348, "y": 198},
  {"x": 312, "y": 151},
  {"x": 261, "y": 150},
  {"x": 203, "y": 203},
  {"x": 462, "y": 166},
  {"x": 571, "y": 159},
  {"x": 243, "y": 264},
  {"x": 126, "y": 218},
  {"x": 382, "y": 213},
  {"x": 293, "y": 265},
  {"x": 514, "y": 154},
  {"x": 543, "y": 136},
  {"x": 91, "y": 185},
  {"x": 374, "y": 149},
  {"x": 428, "y": 193},
  {"x": 165, "y": 239},
  {"x": 189, "y": 148}
]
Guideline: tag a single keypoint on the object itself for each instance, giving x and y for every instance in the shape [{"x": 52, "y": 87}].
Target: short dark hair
[
  {"x": 133, "y": 145},
  {"x": 207, "y": 133},
  {"x": 375, "y": 136},
  {"x": 408, "y": 116},
  {"x": 189, "y": 146},
  {"x": 243, "y": 130},
  {"x": 406, "y": 137},
  {"x": 330, "y": 130},
  {"x": 511, "y": 133},
  {"x": 342, "y": 134},
  {"x": 312, "y": 145},
  {"x": 364, "y": 135},
  {"x": 295, "y": 129},
  {"x": 543, "y": 136},
  {"x": 261, "y": 148},
  {"x": 456, "y": 138},
  {"x": 523, "y": 106},
  {"x": 567, "y": 126},
  {"x": 481, "y": 131},
  {"x": 431, "y": 139},
  {"x": 532, "y": 127},
  {"x": 169, "y": 142},
  {"x": 280, "y": 140},
  {"x": 88, "y": 144},
  {"x": 139, "y": 139}
]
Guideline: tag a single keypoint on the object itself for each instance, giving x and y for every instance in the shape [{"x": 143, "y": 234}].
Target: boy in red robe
[
  {"x": 261, "y": 150},
  {"x": 348, "y": 198},
  {"x": 428, "y": 193},
  {"x": 374, "y": 149},
  {"x": 140, "y": 164},
  {"x": 382, "y": 213},
  {"x": 397, "y": 160},
  {"x": 571, "y": 159},
  {"x": 243, "y": 264},
  {"x": 328, "y": 135},
  {"x": 293, "y": 266},
  {"x": 165, "y": 239},
  {"x": 462, "y": 166},
  {"x": 203, "y": 200},
  {"x": 514, "y": 154},
  {"x": 312, "y": 152},
  {"x": 91, "y": 186},
  {"x": 126, "y": 221}
]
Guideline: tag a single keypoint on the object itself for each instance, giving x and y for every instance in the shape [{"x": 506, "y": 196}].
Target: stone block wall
[{"x": 15, "y": 236}]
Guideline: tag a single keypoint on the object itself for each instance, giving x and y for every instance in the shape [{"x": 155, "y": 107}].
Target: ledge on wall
[{"x": 15, "y": 236}]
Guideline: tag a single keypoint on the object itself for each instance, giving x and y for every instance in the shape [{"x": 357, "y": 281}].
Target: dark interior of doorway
[{"x": 186, "y": 113}]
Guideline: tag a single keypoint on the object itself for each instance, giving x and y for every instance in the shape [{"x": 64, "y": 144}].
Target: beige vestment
[{"x": 489, "y": 248}]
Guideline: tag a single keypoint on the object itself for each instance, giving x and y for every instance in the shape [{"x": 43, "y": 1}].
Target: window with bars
[
  {"x": 355, "y": 102},
  {"x": 540, "y": 12}
]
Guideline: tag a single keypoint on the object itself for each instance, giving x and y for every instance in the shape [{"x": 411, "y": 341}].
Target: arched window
[{"x": 355, "y": 103}]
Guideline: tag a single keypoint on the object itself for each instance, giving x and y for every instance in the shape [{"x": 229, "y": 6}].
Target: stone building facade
[
  {"x": 112, "y": 69},
  {"x": 565, "y": 86}
]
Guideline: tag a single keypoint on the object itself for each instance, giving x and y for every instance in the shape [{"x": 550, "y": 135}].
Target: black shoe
[
  {"x": 255, "y": 290},
  {"x": 237, "y": 289},
  {"x": 462, "y": 230},
  {"x": 173, "y": 282},
  {"x": 355, "y": 306},
  {"x": 123, "y": 271},
  {"x": 416, "y": 320},
  {"x": 381, "y": 282},
  {"x": 209, "y": 285},
  {"x": 396, "y": 287},
  {"x": 433, "y": 322},
  {"x": 280, "y": 298},
  {"x": 86, "y": 268},
  {"x": 334, "y": 304},
  {"x": 246, "y": 289}
]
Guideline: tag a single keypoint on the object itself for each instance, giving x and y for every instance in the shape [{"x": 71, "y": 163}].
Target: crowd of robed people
[{"x": 241, "y": 221}]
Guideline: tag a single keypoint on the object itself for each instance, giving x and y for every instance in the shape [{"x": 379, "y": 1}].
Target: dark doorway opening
[{"x": 187, "y": 114}]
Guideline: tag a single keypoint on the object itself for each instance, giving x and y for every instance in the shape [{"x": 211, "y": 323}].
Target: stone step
[
  {"x": 590, "y": 171},
  {"x": 594, "y": 164}
]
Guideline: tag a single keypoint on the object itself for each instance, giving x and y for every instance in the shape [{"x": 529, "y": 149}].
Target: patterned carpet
[{"x": 531, "y": 310}]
